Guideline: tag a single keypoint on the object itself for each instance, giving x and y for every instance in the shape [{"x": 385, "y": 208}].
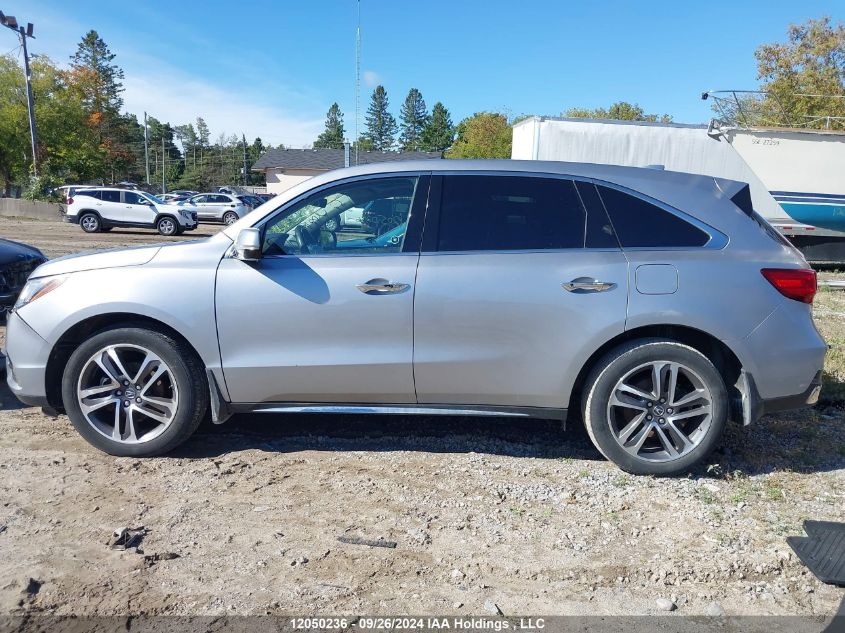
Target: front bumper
[{"x": 26, "y": 362}]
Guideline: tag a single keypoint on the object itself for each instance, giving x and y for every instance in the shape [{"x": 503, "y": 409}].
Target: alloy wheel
[
  {"x": 127, "y": 393},
  {"x": 660, "y": 411},
  {"x": 230, "y": 218},
  {"x": 167, "y": 226},
  {"x": 90, "y": 224}
]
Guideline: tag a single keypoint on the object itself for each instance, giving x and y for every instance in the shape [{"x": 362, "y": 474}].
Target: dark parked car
[{"x": 17, "y": 261}]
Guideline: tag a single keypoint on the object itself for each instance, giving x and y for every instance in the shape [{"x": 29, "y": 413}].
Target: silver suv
[
  {"x": 103, "y": 208},
  {"x": 654, "y": 306},
  {"x": 217, "y": 207}
]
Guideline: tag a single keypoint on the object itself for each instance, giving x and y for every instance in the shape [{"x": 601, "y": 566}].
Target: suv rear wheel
[
  {"x": 655, "y": 407},
  {"x": 230, "y": 217},
  {"x": 134, "y": 392},
  {"x": 90, "y": 222}
]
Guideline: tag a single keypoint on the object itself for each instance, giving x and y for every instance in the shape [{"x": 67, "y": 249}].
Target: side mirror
[{"x": 248, "y": 245}]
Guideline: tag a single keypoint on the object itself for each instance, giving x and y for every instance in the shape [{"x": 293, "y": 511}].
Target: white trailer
[{"x": 796, "y": 177}]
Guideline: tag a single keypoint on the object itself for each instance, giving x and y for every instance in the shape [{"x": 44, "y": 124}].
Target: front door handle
[
  {"x": 381, "y": 287},
  {"x": 587, "y": 284}
]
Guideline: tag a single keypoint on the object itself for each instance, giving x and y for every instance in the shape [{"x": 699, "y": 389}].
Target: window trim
[
  {"x": 717, "y": 240},
  {"x": 416, "y": 217}
]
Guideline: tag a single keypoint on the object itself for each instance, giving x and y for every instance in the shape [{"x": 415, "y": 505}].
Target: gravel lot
[{"x": 245, "y": 517}]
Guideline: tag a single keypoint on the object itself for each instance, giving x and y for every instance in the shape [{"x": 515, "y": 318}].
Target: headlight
[{"x": 37, "y": 288}]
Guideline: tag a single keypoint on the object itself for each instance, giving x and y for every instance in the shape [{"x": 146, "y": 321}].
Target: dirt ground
[{"x": 245, "y": 518}]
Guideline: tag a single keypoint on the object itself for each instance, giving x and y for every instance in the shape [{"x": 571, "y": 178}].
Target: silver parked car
[
  {"x": 217, "y": 207},
  {"x": 655, "y": 306}
]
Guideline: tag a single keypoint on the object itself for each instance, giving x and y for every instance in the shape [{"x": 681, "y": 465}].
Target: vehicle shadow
[
  {"x": 8, "y": 402},
  {"x": 516, "y": 437}
]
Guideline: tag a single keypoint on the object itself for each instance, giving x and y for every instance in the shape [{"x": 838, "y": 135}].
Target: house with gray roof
[{"x": 283, "y": 168}]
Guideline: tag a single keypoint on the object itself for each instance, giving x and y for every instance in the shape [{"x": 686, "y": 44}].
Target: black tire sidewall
[
  {"x": 624, "y": 359},
  {"x": 188, "y": 414}
]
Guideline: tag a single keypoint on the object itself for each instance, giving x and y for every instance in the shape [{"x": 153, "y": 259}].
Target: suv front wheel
[
  {"x": 655, "y": 407},
  {"x": 134, "y": 392},
  {"x": 167, "y": 226}
]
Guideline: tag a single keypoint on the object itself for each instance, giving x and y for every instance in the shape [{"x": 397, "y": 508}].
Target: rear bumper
[
  {"x": 71, "y": 218},
  {"x": 751, "y": 407}
]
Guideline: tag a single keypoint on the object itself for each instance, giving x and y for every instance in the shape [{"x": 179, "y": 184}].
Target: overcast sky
[{"x": 273, "y": 68}]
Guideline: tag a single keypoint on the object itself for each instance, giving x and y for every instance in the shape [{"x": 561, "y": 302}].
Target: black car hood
[{"x": 15, "y": 251}]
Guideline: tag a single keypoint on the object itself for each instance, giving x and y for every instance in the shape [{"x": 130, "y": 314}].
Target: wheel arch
[
  {"x": 722, "y": 356},
  {"x": 79, "y": 332}
]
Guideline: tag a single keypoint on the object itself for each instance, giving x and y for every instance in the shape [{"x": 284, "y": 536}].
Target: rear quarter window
[{"x": 641, "y": 224}]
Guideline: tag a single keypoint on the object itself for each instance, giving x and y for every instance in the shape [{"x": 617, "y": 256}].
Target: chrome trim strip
[
  {"x": 400, "y": 409},
  {"x": 392, "y": 409}
]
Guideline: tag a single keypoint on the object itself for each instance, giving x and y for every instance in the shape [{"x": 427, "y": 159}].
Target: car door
[
  {"x": 200, "y": 205},
  {"x": 313, "y": 322},
  {"x": 516, "y": 283},
  {"x": 139, "y": 210},
  {"x": 110, "y": 206}
]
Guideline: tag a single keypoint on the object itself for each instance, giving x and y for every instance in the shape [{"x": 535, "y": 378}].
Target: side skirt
[{"x": 400, "y": 409}]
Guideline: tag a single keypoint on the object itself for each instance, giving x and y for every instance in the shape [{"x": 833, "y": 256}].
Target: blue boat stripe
[
  {"x": 804, "y": 194},
  {"x": 828, "y": 201}
]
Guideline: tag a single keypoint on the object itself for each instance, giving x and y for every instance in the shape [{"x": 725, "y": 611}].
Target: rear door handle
[
  {"x": 587, "y": 284},
  {"x": 381, "y": 287}
]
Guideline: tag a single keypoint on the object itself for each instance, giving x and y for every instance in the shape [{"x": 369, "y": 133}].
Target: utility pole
[
  {"x": 163, "y": 183},
  {"x": 10, "y": 22},
  {"x": 357, "y": 80},
  {"x": 146, "y": 148},
  {"x": 243, "y": 136}
]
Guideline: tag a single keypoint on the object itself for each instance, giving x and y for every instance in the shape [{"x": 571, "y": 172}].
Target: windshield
[{"x": 155, "y": 199}]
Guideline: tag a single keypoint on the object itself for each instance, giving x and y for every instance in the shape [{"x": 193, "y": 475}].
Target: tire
[
  {"x": 167, "y": 225},
  {"x": 230, "y": 217},
  {"x": 620, "y": 413},
  {"x": 172, "y": 374},
  {"x": 90, "y": 223}
]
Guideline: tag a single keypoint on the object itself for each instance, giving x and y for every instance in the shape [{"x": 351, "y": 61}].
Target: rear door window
[
  {"x": 107, "y": 195},
  {"x": 641, "y": 224},
  {"x": 482, "y": 213}
]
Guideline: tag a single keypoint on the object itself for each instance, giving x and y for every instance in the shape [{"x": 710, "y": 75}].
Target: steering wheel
[{"x": 304, "y": 238}]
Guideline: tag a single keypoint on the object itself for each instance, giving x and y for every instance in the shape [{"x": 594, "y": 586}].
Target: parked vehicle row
[{"x": 654, "y": 306}]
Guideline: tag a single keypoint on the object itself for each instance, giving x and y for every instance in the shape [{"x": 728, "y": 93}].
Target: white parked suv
[
  {"x": 103, "y": 208},
  {"x": 217, "y": 207}
]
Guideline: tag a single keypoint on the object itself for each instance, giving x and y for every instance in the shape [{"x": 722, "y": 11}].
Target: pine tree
[
  {"x": 99, "y": 79},
  {"x": 332, "y": 136},
  {"x": 439, "y": 133},
  {"x": 381, "y": 125},
  {"x": 414, "y": 117}
]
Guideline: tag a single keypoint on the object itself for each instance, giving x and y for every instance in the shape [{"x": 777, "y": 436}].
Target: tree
[
  {"x": 619, "y": 111},
  {"x": 381, "y": 125},
  {"x": 483, "y": 135},
  {"x": 810, "y": 62},
  {"x": 332, "y": 137},
  {"x": 414, "y": 118},
  {"x": 99, "y": 80},
  {"x": 438, "y": 134}
]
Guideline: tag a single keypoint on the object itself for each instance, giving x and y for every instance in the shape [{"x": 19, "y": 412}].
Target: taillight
[
  {"x": 794, "y": 283},
  {"x": 70, "y": 200}
]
